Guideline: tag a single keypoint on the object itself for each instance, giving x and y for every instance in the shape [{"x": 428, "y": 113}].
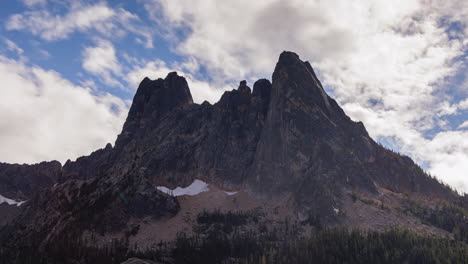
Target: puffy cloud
[
  {"x": 44, "y": 116},
  {"x": 387, "y": 63},
  {"x": 463, "y": 125},
  {"x": 447, "y": 153},
  {"x": 102, "y": 61},
  {"x": 52, "y": 27},
  {"x": 463, "y": 104},
  {"x": 105, "y": 20}
]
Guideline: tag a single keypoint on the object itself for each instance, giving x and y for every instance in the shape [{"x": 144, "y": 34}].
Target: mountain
[
  {"x": 18, "y": 183},
  {"x": 282, "y": 152}
]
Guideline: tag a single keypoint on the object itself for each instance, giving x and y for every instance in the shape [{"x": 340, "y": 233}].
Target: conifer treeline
[{"x": 213, "y": 242}]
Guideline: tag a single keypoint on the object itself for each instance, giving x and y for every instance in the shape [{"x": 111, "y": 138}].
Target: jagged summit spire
[
  {"x": 287, "y": 140},
  {"x": 172, "y": 91},
  {"x": 295, "y": 78},
  {"x": 243, "y": 88},
  {"x": 262, "y": 88},
  {"x": 153, "y": 99},
  {"x": 288, "y": 57}
]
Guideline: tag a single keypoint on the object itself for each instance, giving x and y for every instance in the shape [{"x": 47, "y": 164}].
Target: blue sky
[
  {"x": 69, "y": 69},
  {"x": 64, "y": 53}
]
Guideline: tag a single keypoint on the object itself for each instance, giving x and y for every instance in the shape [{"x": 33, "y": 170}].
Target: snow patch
[
  {"x": 337, "y": 211},
  {"x": 195, "y": 188},
  {"x": 3, "y": 199},
  {"x": 230, "y": 193}
]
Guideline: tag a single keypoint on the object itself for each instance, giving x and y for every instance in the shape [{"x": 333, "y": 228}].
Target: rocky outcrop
[
  {"x": 212, "y": 142},
  {"x": 151, "y": 102},
  {"x": 8, "y": 213},
  {"x": 87, "y": 167},
  {"x": 309, "y": 147},
  {"x": 285, "y": 137},
  {"x": 20, "y": 182}
]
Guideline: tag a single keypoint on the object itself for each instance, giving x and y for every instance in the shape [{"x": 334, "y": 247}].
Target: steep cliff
[{"x": 286, "y": 138}]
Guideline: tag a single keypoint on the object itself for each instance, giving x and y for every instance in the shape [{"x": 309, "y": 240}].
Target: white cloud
[
  {"x": 463, "y": 104},
  {"x": 32, "y": 3},
  {"x": 44, "y": 116},
  {"x": 89, "y": 84},
  {"x": 385, "y": 61},
  {"x": 44, "y": 54},
  {"x": 52, "y": 27},
  {"x": 447, "y": 153},
  {"x": 105, "y": 20},
  {"x": 101, "y": 60},
  {"x": 13, "y": 47},
  {"x": 463, "y": 125}
]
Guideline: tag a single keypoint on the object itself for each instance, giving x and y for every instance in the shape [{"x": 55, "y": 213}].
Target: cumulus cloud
[
  {"x": 101, "y": 60},
  {"x": 386, "y": 62},
  {"x": 82, "y": 18},
  {"x": 463, "y": 104},
  {"x": 44, "y": 116},
  {"x": 447, "y": 153},
  {"x": 463, "y": 125}
]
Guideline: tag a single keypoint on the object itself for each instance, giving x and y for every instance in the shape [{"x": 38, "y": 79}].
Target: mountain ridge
[{"x": 284, "y": 140}]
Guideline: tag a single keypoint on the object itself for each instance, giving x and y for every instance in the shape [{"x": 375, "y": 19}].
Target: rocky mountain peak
[
  {"x": 243, "y": 88},
  {"x": 285, "y": 139},
  {"x": 153, "y": 99},
  {"x": 297, "y": 80},
  {"x": 262, "y": 88},
  {"x": 176, "y": 87}
]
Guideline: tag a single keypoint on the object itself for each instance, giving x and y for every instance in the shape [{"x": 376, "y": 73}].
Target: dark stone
[
  {"x": 138, "y": 261},
  {"x": 88, "y": 166},
  {"x": 287, "y": 137},
  {"x": 21, "y": 181}
]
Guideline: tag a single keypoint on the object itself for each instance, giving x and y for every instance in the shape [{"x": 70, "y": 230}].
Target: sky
[{"x": 69, "y": 69}]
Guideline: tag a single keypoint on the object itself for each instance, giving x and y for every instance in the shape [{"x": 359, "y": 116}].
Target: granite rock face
[
  {"x": 310, "y": 148},
  {"x": 287, "y": 137},
  {"x": 87, "y": 167},
  {"x": 20, "y": 182},
  {"x": 212, "y": 142}
]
